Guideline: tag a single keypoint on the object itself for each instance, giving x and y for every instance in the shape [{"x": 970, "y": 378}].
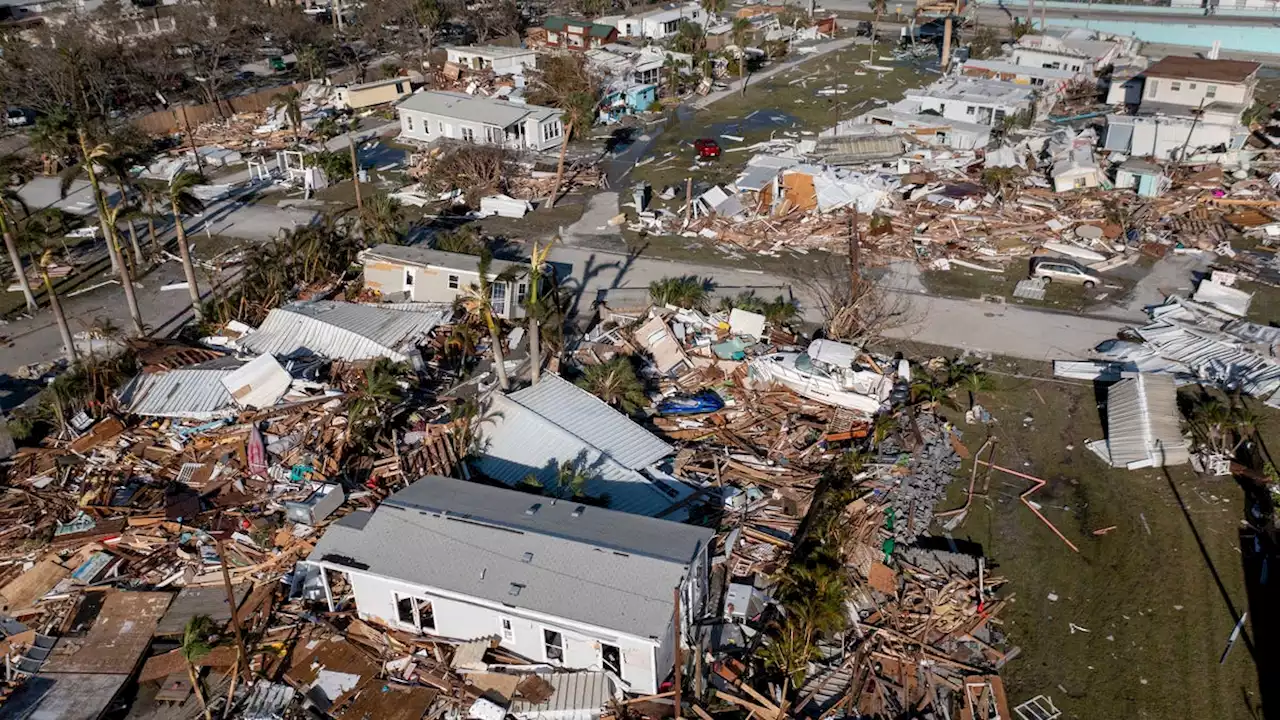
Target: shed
[
  {"x": 1147, "y": 178},
  {"x": 1142, "y": 424}
]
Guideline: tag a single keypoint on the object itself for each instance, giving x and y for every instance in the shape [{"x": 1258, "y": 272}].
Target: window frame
[
  {"x": 408, "y": 277},
  {"x": 547, "y": 644},
  {"x": 604, "y": 665},
  {"x": 415, "y": 605},
  {"x": 507, "y": 628},
  {"x": 455, "y": 282}
]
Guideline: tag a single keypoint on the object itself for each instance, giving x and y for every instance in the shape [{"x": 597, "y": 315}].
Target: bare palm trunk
[
  {"x": 564, "y": 148},
  {"x": 199, "y": 691},
  {"x": 499, "y": 362},
  {"x": 742, "y": 69},
  {"x": 68, "y": 345},
  {"x": 151, "y": 225},
  {"x": 133, "y": 242},
  {"x": 535, "y": 334},
  {"x": 109, "y": 232},
  {"x": 875, "y": 33},
  {"x": 18, "y": 270},
  {"x": 355, "y": 169},
  {"x": 188, "y": 268}
]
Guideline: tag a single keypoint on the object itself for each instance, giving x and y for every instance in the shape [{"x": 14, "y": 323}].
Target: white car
[{"x": 1055, "y": 270}]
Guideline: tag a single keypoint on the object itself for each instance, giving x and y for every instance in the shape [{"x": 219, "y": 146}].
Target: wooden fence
[{"x": 168, "y": 122}]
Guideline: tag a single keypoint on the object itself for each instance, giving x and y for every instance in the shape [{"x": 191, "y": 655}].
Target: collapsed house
[
  {"x": 561, "y": 582},
  {"x": 531, "y": 434},
  {"x": 344, "y": 331}
]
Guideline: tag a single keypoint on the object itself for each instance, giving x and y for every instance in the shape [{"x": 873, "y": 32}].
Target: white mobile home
[
  {"x": 659, "y": 23},
  {"x": 433, "y": 115},
  {"x": 558, "y": 582},
  {"x": 984, "y": 102},
  {"x": 501, "y": 60},
  {"x": 412, "y": 273}
]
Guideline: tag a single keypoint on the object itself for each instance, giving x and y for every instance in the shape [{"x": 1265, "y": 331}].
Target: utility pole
[
  {"x": 679, "y": 660},
  {"x": 355, "y": 166},
  {"x": 855, "y": 255},
  {"x": 235, "y": 611}
]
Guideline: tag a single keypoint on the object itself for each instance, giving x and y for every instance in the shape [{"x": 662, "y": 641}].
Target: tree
[
  {"x": 672, "y": 66},
  {"x": 742, "y": 29},
  {"x": 382, "y": 219},
  {"x": 931, "y": 392},
  {"x": 9, "y": 199},
  {"x": 290, "y": 103},
  {"x": 89, "y": 156},
  {"x": 579, "y": 114},
  {"x": 878, "y": 8},
  {"x": 182, "y": 200},
  {"x": 464, "y": 241},
  {"x": 537, "y": 261},
  {"x": 372, "y": 410},
  {"x": 195, "y": 645},
  {"x": 813, "y": 593},
  {"x": 687, "y": 291},
  {"x": 985, "y": 44},
  {"x": 713, "y": 8},
  {"x": 153, "y": 196},
  {"x": 1002, "y": 181},
  {"x": 477, "y": 298},
  {"x": 690, "y": 38},
  {"x": 616, "y": 383},
  {"x": 311, "y": 60},
  {"x": 432, "y": 15},
  {"x": 64, "y": 330},
  {"x": 970, "y": 378}
]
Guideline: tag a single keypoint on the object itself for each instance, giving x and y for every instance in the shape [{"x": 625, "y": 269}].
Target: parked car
[
  {"x": 707, "y": 148},
  {"x": 1056, "y": 270}
]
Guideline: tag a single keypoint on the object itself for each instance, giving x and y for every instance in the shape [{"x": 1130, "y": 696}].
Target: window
[
  {"x": 440, "y": 128},
  {"x": 611, "y": 658},
  {"x": 492, "y": 135},
  {"x": 408, "y": 121},
  {"x": 521, "y": 292},
  {"x": 417, "y": 612},
  {"x": 399, "y": 88},
  {"x": 1153, "y": 86},
  {"x": 498, "y": 297},
  {"x": 551, "y": 130},
  {"x": 552, "y": 645},
  {"x": 469, "y": 134},
  {"x": 1175, "y": 86},
  {"x": 508, "y": 630},
  {"x": 1192, "y": 86},
  {"x": 969, "y": 110},
  {"x": 408, "y": 278},
  {"x": 1210, "y": 91},
  {"x": 453, "y": 282}
]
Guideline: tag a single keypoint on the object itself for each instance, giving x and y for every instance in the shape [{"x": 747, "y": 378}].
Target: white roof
[
  {"x": 488, "y": 51},
  {"x": 461, "y": 106},
  {"x": 1143, "y": 423},
  {"x": 975, "y": 90},
  {"x": 1000, "y": 66},
  {"x": 343, "y": 331}
]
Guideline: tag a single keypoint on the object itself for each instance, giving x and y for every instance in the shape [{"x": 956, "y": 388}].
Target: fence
[{"x": 167, "y": 122}]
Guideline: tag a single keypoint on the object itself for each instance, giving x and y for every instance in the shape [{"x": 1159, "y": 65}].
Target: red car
[{"x": 707, "y": 148}]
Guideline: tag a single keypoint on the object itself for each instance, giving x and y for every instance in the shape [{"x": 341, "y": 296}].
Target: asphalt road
[{"x": 998, "y": 14}]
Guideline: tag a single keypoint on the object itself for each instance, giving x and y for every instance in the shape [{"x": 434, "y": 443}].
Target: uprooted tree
[
  {"x": 854, "y": 308},
  {"x": 477, "y": 170}
]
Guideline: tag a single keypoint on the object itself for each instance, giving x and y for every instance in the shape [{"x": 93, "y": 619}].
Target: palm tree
[
  {"x": 181, "y": 199},
  {"x": 579, "y": 113},
  {"x": 195, "y": 645},
  {"x": 355, "y": 162},
  {"x": 290, "y": 101},
  {"x": 152, "y": 195},
  {"x": 106, "y": 218},
  {"x": 672, "y": 66},
  {"x": 690, "y": 38},
  {"x": 712, "y": 8},
  {"x": 9, "y": 166},
  {"x": 382, "y": 219},
  {"x": 616, "y": 383},
  {"x": 741, "y": 31},
  {"x": 687, "y": 291},
  {"x": 879, "y": 7},
  {"x": 371, "y": 411},
  {"x": 477, "y": 298},
  {"x": 1002, "y": 181},
  {"x": 931, "y": 392},
  {"x": 464, "y": 241},
  {"x": 64, "y": 330},
  {"x": 311, "y": 60},
  {"x": 971, "y": 379},
  {"x": 537, "y": 261}
]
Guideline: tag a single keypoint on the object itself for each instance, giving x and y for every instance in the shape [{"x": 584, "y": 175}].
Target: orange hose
[{"x": 1023, "y": 497}]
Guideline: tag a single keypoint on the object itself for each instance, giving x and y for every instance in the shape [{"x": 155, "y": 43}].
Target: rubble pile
[{"x": 915, "y": 481}]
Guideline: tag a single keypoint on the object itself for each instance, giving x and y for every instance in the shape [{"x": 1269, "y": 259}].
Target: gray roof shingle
[
  {"x": 461, "y": 106},
  {"x": 600, "y": 567}
]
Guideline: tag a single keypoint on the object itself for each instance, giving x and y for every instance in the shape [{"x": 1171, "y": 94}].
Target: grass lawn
[
  {"x": 965, "y": 283},
  {"x": 1153, "y": 600},
  {"x": 785, "y": 105}
]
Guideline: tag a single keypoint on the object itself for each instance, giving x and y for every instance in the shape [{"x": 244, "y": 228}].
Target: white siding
[
  {"x": 432, "y": 284},
  {"x": 1193, "y": 92},
  {"x": 470, "y": 621},
  {"x": 426, "y": 127},
  {"x": 1034, "y": 57}
]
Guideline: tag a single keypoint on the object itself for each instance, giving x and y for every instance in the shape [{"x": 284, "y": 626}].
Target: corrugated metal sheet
[
  {"x": 518, "y": 443},
  {"x": 189, "y": 393},
  {"x": 577, "y": 696},
  {"x": 1143, "y": 423},
  {"x": 586, "y": 416},
  {"x": 343, "y": 331}
]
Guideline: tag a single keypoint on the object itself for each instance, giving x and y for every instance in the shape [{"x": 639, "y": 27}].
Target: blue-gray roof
[
  {"x": 586, "y": 564},
  {"x": 461, "y": 106},
  {"x": 343, "y": 331}
]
